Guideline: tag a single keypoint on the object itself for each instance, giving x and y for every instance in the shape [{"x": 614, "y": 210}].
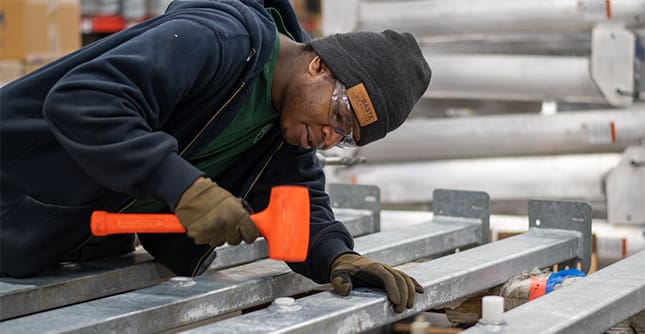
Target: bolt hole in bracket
[{"x": 565, "y": 215}]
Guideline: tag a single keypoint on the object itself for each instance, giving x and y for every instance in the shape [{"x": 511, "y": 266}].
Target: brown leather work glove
[
  {"x": 355, "y": 270},
  {"x": 212, "y": 215}
]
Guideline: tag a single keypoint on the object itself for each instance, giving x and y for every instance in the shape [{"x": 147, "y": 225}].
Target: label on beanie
[{"x": 362, "y": 105}]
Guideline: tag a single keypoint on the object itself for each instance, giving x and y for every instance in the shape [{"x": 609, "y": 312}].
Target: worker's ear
[{"x": 317, "y": 67}]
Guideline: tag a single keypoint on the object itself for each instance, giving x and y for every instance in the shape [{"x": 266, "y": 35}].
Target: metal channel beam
[
  {"x": 444, "y": 279},
  {"x": 598, "y": 131},
  {"x": 460, "y": 17},
  {"x": 591, "y": 305},
  {"x": 95, "y": 279},
  {"x": 67, "y": 285},
  {"x": 182, "y": 301}
]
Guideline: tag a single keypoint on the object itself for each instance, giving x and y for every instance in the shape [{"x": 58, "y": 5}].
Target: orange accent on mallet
[{"x": 284, "y": 223}]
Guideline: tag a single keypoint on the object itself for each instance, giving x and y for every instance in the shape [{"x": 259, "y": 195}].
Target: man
[{"x": 186, "y": 113}]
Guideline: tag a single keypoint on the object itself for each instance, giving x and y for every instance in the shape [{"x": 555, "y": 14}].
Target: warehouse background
[{"x": 35, "y": 32}]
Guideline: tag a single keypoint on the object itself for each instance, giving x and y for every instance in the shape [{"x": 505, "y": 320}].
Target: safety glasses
[{"x": 340, "y": 117}]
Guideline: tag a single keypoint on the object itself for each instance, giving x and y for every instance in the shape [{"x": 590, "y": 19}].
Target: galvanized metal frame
[
  {"x": 591, "y": 305},
  {"x": 183, "y": 301},
  {"x": 77, "y": 283},
  {"x": 444, "y": 279}
]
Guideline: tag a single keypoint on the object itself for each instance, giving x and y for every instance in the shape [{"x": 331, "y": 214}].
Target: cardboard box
[
  {"x": 24, "y": 28},
  {"x": 11, "y": 69},
  {"x": 38, "y": 28},
  {"x": 68, "y": 24}
]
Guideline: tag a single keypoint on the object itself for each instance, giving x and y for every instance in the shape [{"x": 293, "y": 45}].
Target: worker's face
[{"x": 314, "y": 114}]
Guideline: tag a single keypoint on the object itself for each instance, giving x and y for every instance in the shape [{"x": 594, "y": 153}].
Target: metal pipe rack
[
  {"x": 560, "y": 232},
  {"x": 462, "y": 222},
  {"x": 591, "y": 305},
  {"x": 607, "y": 76}
]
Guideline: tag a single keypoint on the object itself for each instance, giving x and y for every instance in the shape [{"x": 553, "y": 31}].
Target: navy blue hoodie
[{"x": 117, "y": 120}]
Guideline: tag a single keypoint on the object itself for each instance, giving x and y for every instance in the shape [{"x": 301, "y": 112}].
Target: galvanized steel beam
[
  {"x": 548, "y": 242},
  {"x": 591, "y": 305},
  {"x": 74, "y": 283},
  {"x": 181, "y": 301}
]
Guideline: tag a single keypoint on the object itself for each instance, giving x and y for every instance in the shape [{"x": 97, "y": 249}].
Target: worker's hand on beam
[
  {"x": 353, "y": 270},
  {"x": 212, "y": 215}
]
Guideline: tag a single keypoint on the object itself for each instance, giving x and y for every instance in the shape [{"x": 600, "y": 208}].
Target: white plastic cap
[{"x": 492, "y": 309}]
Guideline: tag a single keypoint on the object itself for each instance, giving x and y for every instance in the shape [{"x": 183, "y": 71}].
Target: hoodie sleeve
[{"x": 107, "y": 113}]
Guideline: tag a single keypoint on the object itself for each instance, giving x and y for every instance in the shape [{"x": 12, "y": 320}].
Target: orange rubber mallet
[{"x": 284, "y": 223}]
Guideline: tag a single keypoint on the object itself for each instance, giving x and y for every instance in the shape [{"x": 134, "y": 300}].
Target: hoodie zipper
[
  {"x": 255, "y": 180},
  {"x": 201, "y": 131},
  {"x": 237, "y": 91},
  {"x": 257, "y": 176}
]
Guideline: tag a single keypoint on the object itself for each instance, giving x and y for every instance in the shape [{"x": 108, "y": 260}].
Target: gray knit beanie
[{"x": 385, "y": 75}]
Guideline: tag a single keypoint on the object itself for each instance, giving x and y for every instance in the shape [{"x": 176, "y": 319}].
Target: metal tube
[
  {"x": 591, "y": 305},
  {"x": 578, "y": 177},
  {"x": 512, "y": 77},
  {"x": 599, "y": 131},
  {"x": 459, "y": 17},
  {"x": 444, "y": 280}
]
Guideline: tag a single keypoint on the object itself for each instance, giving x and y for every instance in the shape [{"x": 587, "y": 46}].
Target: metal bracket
[
  {"x": 357, "y": 196},
  {"x": 463, "y": 204},
  {"x": 612, "y": 62},
  {"x": 625, "y": 188},
  {"x": 565, "y": 215}
]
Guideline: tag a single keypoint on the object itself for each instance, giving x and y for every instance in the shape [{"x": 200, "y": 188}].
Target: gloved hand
[
  {"x": 212, "y": 215},
  {"x": 355, "y": 270}
]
